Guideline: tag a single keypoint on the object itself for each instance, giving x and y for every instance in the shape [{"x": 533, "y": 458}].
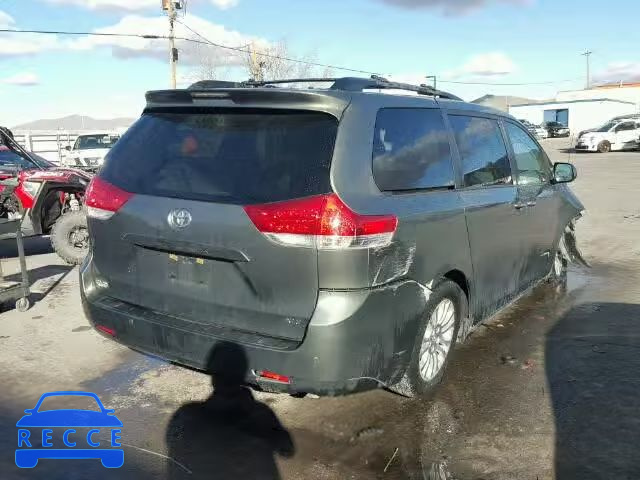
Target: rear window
[
  {"x": 411, "y": 150},
  {"x": 225, "y": 155}
]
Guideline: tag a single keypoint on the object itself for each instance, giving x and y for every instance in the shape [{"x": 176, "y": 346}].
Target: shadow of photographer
[{"x": 229, "y": 435}]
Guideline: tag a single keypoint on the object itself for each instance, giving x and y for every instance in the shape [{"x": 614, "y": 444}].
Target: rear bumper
[{"x": 356, "y": 339}]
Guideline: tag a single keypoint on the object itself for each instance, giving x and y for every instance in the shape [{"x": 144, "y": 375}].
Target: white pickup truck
[{"x": 89, "y": 150}]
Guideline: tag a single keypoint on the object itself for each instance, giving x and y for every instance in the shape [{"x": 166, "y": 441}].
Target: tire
[
  {"x": 23, "y": 304},
  {"x": 604, "y": 147},
  {"x": 420, "y": 378},
  {"x": 66, "y": 237}
]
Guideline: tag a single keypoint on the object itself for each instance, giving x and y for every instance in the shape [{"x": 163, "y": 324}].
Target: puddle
[
  {"x": 578, "y": 277},
  {"x": 123, "y": 376}
]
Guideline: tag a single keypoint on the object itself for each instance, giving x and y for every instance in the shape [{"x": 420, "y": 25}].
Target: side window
[
  {"x": 532, "y": 165},
  {"x": 482, "y": 150},
  {"x": 626, "y": 126},
  {"x": 9, "y": 158},
  {"x": 411, "y": 150}
]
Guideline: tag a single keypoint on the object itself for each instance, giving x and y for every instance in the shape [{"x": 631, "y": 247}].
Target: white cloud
[
  {"x": 619, "y": 72},
  {"x": 451, "y": 7},
  {"x": 12, "y": 45},
  {"x": 5, "y": 19},
  {"x": 491, "y": 64},
  {"x": 17, "y": 45},
  {"x": 129, "y": 5},
  {"x": 190, "y": 53},
  {"x": 132, "y": 5},
  {"x": 24, "y": 79},
  {"x": 224, "y": 4}
]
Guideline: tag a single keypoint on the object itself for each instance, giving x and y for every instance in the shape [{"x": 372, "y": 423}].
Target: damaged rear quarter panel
[{"x": 430, "y": 240}]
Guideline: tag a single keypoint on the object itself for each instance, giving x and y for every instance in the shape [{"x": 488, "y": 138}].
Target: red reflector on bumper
[
  {"x": 273, "y": 376},
  {"x": 107, "y": 330}
]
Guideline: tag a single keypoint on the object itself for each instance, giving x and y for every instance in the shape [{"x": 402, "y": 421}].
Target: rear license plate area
[{"x": 187, "y": 270}]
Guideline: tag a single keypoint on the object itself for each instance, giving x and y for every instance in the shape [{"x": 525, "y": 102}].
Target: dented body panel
[
  {"x": 332, "y": 320},
  {"x": 345, "y": 348}
]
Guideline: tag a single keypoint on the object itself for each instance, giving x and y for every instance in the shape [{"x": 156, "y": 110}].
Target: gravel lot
[{"x": 548, "y": 389}]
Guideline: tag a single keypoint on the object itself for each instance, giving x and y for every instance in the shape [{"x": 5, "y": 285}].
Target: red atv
[{"x": 49, "y": 198}]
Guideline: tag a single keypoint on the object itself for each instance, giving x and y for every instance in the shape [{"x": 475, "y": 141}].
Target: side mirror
[
  {"x": 564, "y": 173},
  {"x": 68, "y": 147}
]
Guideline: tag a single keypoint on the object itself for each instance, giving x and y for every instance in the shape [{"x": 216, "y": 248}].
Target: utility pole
[
  {"x": 587, "y": 54},
  {"x": 256, "y": 65},
  {"x": 170, "y": 7}
]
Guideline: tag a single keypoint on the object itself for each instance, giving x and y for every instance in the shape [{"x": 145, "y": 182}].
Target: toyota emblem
[{"x": 179, "y": 218}]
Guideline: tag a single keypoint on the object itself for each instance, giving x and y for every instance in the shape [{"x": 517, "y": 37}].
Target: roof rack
[{"x": 349, "y": 84}]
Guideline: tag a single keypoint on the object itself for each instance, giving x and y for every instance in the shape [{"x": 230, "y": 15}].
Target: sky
[{"x": 538, "y": 42}]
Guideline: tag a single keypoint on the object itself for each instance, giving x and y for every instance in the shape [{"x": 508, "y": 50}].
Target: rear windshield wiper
[{"x": 425, "y": 189}]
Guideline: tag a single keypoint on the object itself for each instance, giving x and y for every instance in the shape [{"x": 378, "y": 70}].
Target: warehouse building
[{"x": 578, "y": 115}]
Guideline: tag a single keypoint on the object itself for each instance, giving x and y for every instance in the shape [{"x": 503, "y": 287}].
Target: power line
[
  {"x": 101, "y": 34},
  {"x": 553, "y": 82},
  {"x": 279, "y": 57},
  {"x": 205, "y": 42}
]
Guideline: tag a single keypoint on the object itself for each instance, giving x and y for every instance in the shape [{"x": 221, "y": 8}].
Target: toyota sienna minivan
[{"x": 344, "y": 237}]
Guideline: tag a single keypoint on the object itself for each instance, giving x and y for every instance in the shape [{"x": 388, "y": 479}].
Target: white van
[{"x": 620, "y": 133}]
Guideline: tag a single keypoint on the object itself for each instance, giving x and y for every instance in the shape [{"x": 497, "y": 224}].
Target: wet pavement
[{"x": 547, "y": 389}]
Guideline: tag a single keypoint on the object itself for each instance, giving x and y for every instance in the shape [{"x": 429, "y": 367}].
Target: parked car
[
  {"x": 89, "y": 151},
  {"x": 617, "y": 134},
  {"x": 345, "y": 240},
  {"x": 534, "y": 129},
  {"x": 556, "y": 129}
]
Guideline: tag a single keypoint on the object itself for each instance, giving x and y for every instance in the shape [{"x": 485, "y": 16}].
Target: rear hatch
[{"x": 170, "y": 227}]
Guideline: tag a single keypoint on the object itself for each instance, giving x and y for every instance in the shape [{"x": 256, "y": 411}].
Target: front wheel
[
  {"x": 604, "y": 147},
  {"x": 70, "y": 237}
]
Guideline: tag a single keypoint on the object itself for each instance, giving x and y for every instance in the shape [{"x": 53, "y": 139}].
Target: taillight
[
  {"x": 109, "y": 331},
  {"x": 274, "y": 376},
  {"x": 323, "y": 221},
  {"x": 103, "y": 199}
]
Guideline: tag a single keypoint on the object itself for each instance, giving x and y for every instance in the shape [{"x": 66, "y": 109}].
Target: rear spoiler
[{"x": 331, "y": 102}]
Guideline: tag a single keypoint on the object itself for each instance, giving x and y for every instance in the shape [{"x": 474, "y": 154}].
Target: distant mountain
[{"x": 75, "y": 122}]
